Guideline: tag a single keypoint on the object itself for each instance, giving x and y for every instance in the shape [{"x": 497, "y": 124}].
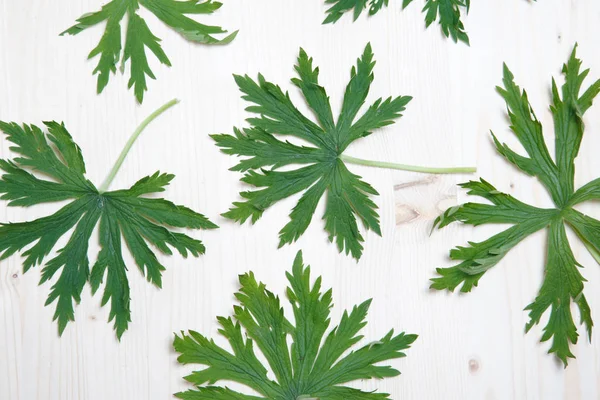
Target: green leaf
[
  {"x": 214, "y": 393},
  {"x": 321, "y": 169},
  {"x": 563, "y": 283},
  {"x": 447, "y": 12},
  {"x": 121, "y": 214},
  {"x": 590, "y": 191},
  {"x": 586, "y": 227},
  {"x": 314, "y": 366},
  {"x": 139, "y": 38}
]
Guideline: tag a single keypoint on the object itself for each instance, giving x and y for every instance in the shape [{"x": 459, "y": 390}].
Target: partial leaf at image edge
[
  {"x": 315, "y": 365},
  {"x": 139, "y": 39},
  {"x": 448, "y": 13}
]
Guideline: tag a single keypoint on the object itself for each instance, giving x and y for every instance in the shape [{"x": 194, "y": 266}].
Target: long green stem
[
  {"x": 404, "y": 167},
  {"x": 131, "y": 141}
]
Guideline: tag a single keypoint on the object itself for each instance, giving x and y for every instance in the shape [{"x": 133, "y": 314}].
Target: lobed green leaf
[
  {"x": 139, "y": 38},
  {"x": 447, "y": 12},
  {"x": 563, "y": 282},
  {"x": 315, "y": 168},
  {"x": 123, "y": 214},
  {"x": 310, "y": 368}
]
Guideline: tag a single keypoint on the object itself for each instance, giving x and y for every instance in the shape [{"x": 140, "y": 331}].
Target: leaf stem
[
  {"x": 115, "y": 169},
  {"x": 404, "y": 167}
]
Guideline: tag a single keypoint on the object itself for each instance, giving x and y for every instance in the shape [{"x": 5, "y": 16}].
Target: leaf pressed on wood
[
  {"x": 315, "y": 366},
  {"x": 563, "y": 283},
  {"x": 323, "y": 171},
  {"x": 50, "y": 168},
  {"x": 139, "y": 39},
  {"x": 447, "y": 12}
]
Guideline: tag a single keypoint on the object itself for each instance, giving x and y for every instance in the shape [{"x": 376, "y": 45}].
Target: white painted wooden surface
[{"x": 470, "y": 347}]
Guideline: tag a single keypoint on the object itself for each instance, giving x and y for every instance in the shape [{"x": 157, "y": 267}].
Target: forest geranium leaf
[
  {"x": 322, "y": 170},
  {"x": 315, "y": 366},
  {"x": 139, "y": 39},
  {"x": 50, "y": 168},
  {"x": 563, "y": 283},
  {"x": 447, "y": 12}
]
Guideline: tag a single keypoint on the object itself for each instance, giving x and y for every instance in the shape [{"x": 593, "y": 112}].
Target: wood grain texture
[{"x": 470, "y": 347}]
